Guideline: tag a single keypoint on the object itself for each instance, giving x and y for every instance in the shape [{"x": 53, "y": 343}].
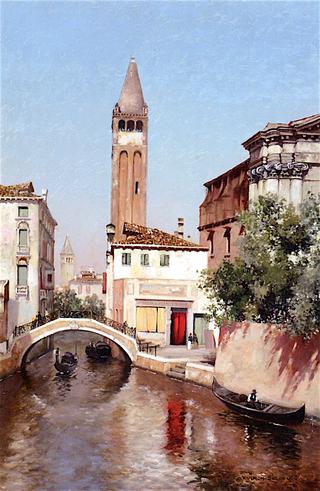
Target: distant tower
[
  {"x": 67, "y": 265},
  {"x": 129, "y": 154}
]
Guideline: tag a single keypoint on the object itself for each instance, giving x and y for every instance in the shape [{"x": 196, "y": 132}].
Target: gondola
[
  {"x": 67, "y": 364},
  {"x": 259, "y": 410},
  {"x": 99, "y": 351}
]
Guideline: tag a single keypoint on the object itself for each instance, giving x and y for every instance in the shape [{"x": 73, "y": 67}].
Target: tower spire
[
  {"x": 67, "y": 265},
  {"x": 131, "y": 99},
  {"x": 129, "y": 154}
]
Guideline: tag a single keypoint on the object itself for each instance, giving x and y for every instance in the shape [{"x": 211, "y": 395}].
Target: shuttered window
[
  {"x": 23, "y": 237},
  {"x": 151, "y": 319},
  {"x": 22, "y": 275}
]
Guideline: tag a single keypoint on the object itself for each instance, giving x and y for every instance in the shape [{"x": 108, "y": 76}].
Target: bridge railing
[{"x": 39, "y": 320}]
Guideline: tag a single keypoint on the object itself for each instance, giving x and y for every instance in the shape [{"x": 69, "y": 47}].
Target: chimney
[
  {"x": 180, "y": 227},
  {"x": 45, "y": 194}
]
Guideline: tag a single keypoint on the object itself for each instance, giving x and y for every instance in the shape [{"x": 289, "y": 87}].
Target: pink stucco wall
[{"x": 284, "y": 370}]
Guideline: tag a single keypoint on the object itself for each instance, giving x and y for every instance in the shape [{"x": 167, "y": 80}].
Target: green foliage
[
  {"x": 68, "y": 304},
  {"x": 277, "y": 276},
  {"x": 95, "y": 306}
]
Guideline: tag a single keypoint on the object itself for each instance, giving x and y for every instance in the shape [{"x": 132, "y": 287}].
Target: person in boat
[{"x": 252, "y": 397}]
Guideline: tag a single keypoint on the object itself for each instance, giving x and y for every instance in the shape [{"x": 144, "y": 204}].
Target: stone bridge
[{"x": 16, "y": 356}]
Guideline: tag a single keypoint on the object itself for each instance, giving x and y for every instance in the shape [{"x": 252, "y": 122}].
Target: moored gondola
[
  {"x": 99, "y": 351},
  {"x": 67, "y": 364},
  {"x": 258, "y": 410}
]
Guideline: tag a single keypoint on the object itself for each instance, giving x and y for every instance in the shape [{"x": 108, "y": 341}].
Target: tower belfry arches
[{"x": 129, "y": 154}]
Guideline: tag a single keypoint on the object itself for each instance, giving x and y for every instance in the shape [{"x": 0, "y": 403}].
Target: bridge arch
[{"x": 24, "y": 342}]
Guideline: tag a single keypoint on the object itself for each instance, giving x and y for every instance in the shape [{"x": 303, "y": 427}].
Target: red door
[{"x": 178, "y": 327}]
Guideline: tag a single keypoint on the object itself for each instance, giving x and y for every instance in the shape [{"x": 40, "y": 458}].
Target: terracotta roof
[
  {"x": 131, "y": 98},
  {"x": 137, "y": 234},
  {"x": 24, "y": 189}
]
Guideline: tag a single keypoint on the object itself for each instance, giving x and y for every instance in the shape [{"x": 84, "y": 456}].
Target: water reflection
[
  {"x": 176, "y": 426},
  {"x": 111, "y": 427}
]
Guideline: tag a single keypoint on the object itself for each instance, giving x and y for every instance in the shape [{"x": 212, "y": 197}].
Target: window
[
  {"x": 22, "y": 274},
  {"x": 126, "y": 258},
  {"x": 151, "y": 319},
  {"x": 23, "y": 211},
  {"x": 136, "y": 187},
  {"x": 49, "y": 278},
  {"x": 130, "y": 125},
  {"x": 139, "y": 125},
  {"x": 211, "y": 241},
  {"x": 227, "y": 235},
  {"x": 164, "y": 259},
  {"x": 121, "y": 125},
  {"x": 144, "y": 259},
  {"x": 23, "y": 237}
]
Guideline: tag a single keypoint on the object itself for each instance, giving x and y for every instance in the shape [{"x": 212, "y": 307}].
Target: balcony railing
[
  {"x": 39, "y": 320},
  {"x": 23, "y": 249}
]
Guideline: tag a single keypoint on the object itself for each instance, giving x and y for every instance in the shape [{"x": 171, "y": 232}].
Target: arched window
[
  {"x": 22, "y": 273},
  {"x": 23, "y": 236},
  {"x": 227, "y": 236},
  {"x": 130, "y": 125},
  {"x": 121, "y": 125},
  {"x": 139, "y": 126}
]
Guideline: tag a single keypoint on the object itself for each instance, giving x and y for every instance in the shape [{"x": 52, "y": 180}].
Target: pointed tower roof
[
  {"x": 67, "y": 249},
  {"x": 131, "y": 98}
]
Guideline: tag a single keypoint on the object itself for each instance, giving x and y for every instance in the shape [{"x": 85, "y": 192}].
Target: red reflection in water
[{"x": 176, "y": 437}]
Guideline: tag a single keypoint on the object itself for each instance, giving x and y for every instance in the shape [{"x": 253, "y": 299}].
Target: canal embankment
[{"x": 284, "y": 370}]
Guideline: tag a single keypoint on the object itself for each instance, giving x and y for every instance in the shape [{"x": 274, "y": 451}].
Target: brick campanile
[{"x": 129, "y": 154}]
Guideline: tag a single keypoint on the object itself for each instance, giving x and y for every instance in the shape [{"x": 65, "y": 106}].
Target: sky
[{"x": 213, "y": 74}]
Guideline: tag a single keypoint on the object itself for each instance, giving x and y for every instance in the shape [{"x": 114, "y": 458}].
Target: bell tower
[{"x": 129, "y": 154}]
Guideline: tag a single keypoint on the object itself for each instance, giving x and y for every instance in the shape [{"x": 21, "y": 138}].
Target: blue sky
[{"x": 213, "y": 73}]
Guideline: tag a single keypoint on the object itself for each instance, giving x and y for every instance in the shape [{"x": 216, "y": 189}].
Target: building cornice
[
  {"x": 278, "y": 170},
  {"x": 211, "y": 225}
]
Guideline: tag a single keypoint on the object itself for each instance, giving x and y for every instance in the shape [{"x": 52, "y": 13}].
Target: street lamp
[{"x": 110, "y": 231}]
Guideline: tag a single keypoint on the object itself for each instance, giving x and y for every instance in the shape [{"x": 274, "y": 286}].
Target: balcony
[
  {"x": 23, "y": 250},
  {"x": 22, "y": 291}
]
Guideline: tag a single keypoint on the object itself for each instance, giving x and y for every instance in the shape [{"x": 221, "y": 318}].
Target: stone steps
[{"x": 178, "y": 372}]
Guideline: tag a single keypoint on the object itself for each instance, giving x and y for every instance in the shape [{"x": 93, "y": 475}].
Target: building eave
[{"x": 158, "y": 247}]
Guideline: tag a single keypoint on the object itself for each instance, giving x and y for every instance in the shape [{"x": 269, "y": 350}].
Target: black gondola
[
  {"x": 67, "y": 364},
  {"x": 99, "y": 351},
  {"x": 258, "y": 410}
]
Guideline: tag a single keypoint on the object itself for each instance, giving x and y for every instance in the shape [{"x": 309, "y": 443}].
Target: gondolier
[{"x": 272, "y": 413}]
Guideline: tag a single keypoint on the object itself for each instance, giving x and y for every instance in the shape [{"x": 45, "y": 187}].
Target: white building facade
[
  {"x": 152, "y": 284},
  {"x": 89, "y": 283},
  {"x": 26, "y": 253}
]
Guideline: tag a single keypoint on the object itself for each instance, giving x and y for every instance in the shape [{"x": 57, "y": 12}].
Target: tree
[
  {"x": 95, "y": 306},
  {"x": 67, "y": 304},
  {"x": 277, "y": 276}
]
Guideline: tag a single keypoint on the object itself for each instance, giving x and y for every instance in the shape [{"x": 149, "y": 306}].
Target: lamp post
[{"x": 110, "y": 233}]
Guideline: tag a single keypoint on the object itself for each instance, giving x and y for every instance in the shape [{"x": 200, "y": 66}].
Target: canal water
[{"x": 112, "y": 427}]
